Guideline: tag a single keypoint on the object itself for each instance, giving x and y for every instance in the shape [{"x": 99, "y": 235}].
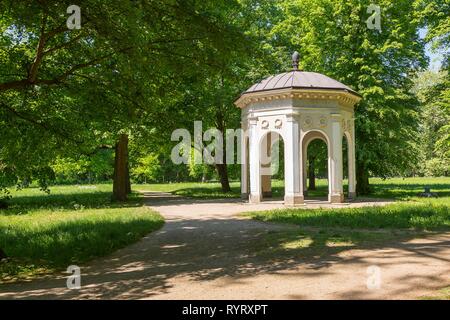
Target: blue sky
[{"x": 435, "y": 57}]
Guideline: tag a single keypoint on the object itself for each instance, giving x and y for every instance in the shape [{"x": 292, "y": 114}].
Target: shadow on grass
[
  {"x": 208, "y": 193},
  {"x": 401, "y": 191},
  {"x": 43, "y": 232},
  {"x": 383, "y": 189},
  {"x": 22, "y": 204},
  {"x": 72, "y": 241},
  {"x": 216, "y": 192}
]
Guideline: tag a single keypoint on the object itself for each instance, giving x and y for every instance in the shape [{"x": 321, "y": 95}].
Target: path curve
[{"x": 206, "y": 251}]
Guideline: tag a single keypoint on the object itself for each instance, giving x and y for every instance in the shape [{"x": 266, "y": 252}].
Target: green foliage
[
  {"x": 148, "y": 67},
  {"x": 437, "y": 167},
  {"x": 318, "y": 154},
  {"x": 201, "y": 172},
  {"x": 434, "y": 141},
  {"x": 332, "y": 38},
  {"x": 66, "y": 93},
  {"x": 146, "y": 169},
  {"x": 86, "y": 169},
  {"x": 436, "y": 14}
]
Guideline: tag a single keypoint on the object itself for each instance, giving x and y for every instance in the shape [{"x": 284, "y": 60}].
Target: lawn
[
  {"x": 323, "y": 231},
  {"x": 420, "y": 215},
  {"x": 410, "y": 212},
  {"x": 443, "y": 294},
  {"x": 206, "y": 190},
  {"x": 359, "y": 226},
  {"x": 42, "y": 233},
  {"x": 397, "y": 188}
]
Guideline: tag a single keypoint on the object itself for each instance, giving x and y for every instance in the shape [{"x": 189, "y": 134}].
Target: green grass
[
  {"x": 396, "y": 188},
  {"x": 427, "y": 215},
  {"x": 411, "y": 213},
  {"x": 42, "y": 233},
  {"x": 207, "y": 190},
  {"x": 443, "y": 294},
  {"x": 322, "y": 233},
  {"x": 408, "y": 188}
]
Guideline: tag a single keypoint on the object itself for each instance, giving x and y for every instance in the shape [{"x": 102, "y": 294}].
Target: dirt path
[{"x": 205, "y": 251}]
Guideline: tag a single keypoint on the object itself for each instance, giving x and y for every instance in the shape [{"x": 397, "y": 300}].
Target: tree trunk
[
  {"x": 362, "y": 180},
  {"x": 311, "y": 174},
  {"x": 2, "y": 255},
  {"x": 223, "y": 176},
  {"x": 222, "y": 169},
  {"x": 121, "y": 177}
]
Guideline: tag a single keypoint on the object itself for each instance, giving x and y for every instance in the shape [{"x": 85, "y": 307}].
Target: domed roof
[{"x": 299, "y": 80}]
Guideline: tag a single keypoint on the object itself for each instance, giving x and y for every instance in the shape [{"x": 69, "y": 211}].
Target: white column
[
  {"x": 292, "y": 165},
  {"x": 337, "y": 191},
  {"x": 244, "y": 164},
  {"x": 255, "y": 174},
  {"x": 352, "y": 162},
  {"x": 303, "y": 161}
]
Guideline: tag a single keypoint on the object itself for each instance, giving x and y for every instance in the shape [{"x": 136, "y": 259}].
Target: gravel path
[{"x": 206, "y": 251}]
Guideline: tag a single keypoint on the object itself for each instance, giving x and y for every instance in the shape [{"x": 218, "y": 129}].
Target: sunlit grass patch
[
  {"x": 41, "y": 233},
  {"x": 443, "y": 294},
  {"x": 423, "y": 216},
  {"x": 303, "y": 242}
]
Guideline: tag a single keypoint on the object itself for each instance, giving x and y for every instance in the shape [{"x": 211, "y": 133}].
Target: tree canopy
[{"x": 137, "y": 70}]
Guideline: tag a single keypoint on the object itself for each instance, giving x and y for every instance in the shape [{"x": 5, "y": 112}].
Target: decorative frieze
[{"x": 346, "y": 99}]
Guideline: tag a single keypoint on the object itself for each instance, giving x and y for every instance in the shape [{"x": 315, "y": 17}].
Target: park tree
[
  {"x": 146, "y": 168},
  {"x": 69, "y": 91},
  {"x": 434, "y": 117},
  {"x": 333, "y": 38},
  {"x": 435, "y": 15},
  {"x": 210, "y": 93}
]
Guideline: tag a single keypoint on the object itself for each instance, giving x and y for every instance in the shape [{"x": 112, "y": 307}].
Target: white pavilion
[{"x": 298, "y": 107}]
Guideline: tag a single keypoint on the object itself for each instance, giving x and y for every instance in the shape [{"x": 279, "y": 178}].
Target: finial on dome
[{"x": 295, "y": 60}]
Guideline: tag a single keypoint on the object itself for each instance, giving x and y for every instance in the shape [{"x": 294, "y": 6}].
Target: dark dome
[{"x": 299, "y": 80}]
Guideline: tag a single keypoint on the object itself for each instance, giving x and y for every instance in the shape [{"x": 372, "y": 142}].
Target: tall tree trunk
[
  {"x": 311, "y": 174},
  {"x": 121, "y": 177},
  {"x": 222, "y": 171},
  {"x": 362, "y": 180}
]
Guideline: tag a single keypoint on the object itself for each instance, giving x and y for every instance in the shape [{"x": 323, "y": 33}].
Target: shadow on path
[{"x": 190, "y": 254}]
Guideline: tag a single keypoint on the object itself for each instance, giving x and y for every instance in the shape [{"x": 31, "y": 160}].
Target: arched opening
[
  {"x": 317, "y": 169},
  {"x": 316, "y": 166},
  {"x": 272, "y": 166}
]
